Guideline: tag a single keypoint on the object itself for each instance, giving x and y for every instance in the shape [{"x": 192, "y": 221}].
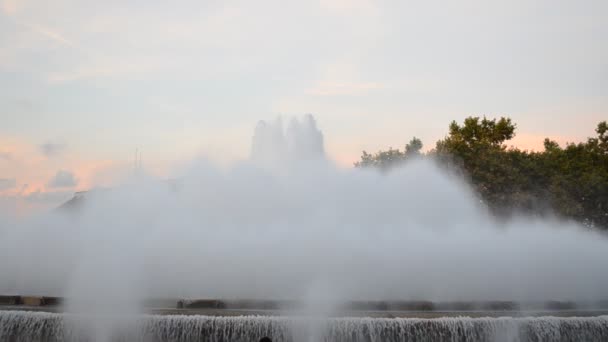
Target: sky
[{"x": 86, "y": 83}]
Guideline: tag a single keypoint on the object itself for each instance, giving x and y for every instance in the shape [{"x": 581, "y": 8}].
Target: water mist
[{"x": 289, "y": 224}]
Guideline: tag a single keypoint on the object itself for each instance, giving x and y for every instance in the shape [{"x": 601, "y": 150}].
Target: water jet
[{"x": 287, "y": 226}]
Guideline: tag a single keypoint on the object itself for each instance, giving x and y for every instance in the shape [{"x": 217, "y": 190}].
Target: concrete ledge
[
  {"x": 201, "y": 304},
  {"x": 31, "y": 300},
  {"x": 10, "y": 300},
  {"x": 418, "y": 306},
  {"x": 350, "y": 306}
]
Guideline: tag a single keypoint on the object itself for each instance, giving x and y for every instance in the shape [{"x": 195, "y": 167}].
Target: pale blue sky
[{"x": 181, "y": 78}]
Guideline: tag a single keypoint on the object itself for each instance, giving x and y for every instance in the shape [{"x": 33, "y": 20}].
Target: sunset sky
[{"x": 85, "y": 83}]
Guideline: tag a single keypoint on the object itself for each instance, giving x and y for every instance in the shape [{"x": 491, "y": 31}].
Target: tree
[
  {"x": 578, "y": 178},
  {"x": 602, "y": 132},
  {"x": 414, "y": 147},
  {"x": 477, "y": 133},
  {"x": 571, "y": 181},
  {"x": 478, "y": 147},
  {"x": 391, "y": 157}
]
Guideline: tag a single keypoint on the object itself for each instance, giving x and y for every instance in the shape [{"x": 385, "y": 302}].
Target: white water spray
[{"x": 275, "y": 226}]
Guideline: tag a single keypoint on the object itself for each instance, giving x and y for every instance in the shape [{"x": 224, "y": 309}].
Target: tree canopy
[
  {"x": 571, "y": 182},
  {"x": 391, "y": 157}
]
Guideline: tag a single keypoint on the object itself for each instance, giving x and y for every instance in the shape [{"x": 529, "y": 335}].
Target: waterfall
[{"x": 17, "y": 326}]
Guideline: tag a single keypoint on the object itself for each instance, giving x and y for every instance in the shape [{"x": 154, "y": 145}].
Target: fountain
[{"x": 289, "y": 225}]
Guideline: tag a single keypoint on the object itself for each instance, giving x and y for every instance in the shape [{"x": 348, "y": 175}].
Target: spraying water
[{"x": 278, "y": 225}]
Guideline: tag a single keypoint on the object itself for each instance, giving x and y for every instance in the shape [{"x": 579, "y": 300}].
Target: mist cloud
[
  {"x": 7, "y": 183},
  {"x": 63, "y": 179},
  {"x": 51, "y": 149},
  {"x": 287, "y": 229},
  {"x": 48, "y": 197}
]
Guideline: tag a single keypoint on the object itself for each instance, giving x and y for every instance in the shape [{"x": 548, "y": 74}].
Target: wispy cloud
[
  {"x": 343, "y": 88},
  {"x": 85, "y": 73},
  {"x": 50, "y": 34},
  {"x": 51, "y": 149},
  {"x": 343, "y": 77},
  {"x": 365, "y": 6},
  {"x": 124, "y": 68}
]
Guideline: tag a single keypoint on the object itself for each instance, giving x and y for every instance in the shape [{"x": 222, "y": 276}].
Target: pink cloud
[{"x": 9, "y": 7}]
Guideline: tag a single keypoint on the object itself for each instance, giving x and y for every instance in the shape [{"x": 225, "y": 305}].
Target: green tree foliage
[
  {"x": 571, "y": 181},
  {"x": 392, "y": 157},
  {"x": 577, "y": 177},
  {"x": 478, "y": 147},
  {"x": 413, "y": 148}
]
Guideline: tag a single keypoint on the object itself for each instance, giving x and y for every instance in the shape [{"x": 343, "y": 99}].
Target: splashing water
[
  {"x": 27, "y": 326},
  {"x": 279, "y": 224}
]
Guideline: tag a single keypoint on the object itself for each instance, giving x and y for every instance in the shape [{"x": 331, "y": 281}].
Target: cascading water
[{"x": 49, "y": 327}]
